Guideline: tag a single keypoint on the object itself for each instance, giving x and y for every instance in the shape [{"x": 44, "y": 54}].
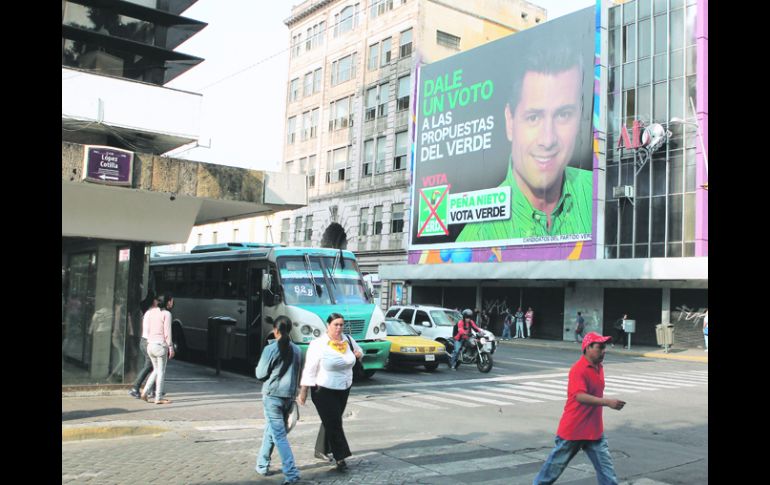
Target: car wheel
[
  {"x": 431, "y": 367},
  {"x": 177, "y": 338}
]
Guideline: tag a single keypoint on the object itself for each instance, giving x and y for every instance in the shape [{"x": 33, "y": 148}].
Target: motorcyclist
[{"x": 464, "y": 327}]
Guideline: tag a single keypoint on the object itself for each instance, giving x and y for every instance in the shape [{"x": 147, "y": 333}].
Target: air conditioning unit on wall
[{"x": 623, "y": 191}]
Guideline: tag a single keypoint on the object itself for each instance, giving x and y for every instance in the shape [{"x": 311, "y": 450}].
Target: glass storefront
[{"x": 99, "y": 340}]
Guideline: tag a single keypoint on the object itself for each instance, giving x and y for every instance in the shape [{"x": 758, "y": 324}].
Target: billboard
[{"x": 503, "y": 143}]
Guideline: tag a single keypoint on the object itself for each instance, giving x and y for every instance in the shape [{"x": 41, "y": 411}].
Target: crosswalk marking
[
  {"x": 417, "y": 404},
  {"x": 684, "y": 377},
  {"x": 374, "y": 405},
  {"x": 616, "y": 381},
  {"x": 495, "y": 394},
  {"x": 562, "y": 393},
  {"x": 656, "y": 381},
  {"x": 611, "y": 389},
  {"x": 548, "y": 397},
  {"x": 446, "y": 400},
  {"x": 464, "y": 394}
]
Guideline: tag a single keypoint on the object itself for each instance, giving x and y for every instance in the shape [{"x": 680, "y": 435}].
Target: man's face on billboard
[{"x": 543, "y": 127}]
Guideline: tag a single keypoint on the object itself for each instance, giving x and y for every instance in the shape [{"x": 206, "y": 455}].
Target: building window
[
  {"x": 402, "y": 148},
  {"x": 370, "y": 110},
  {"x": 383, "y": 98},
  {"x": 315, "y": 36},
  {"x": 405, "y": 43},
  {"x": 404, "y": 85},
  {"x": 333, "y": 212},
  {"x": 343, "y": 69},
  {"x": 284, "y": 231},
  {"x": 397, "y": 218},
  {"x": 214, "y": 237},
  {"x": 379, "y": 164},
  {"x": 340, "y": 115},
  {"x": 305, "y": 126},
  {"x": 291, "y": 130},
  {"x": 377, "y": 220},
  {"x": 311, "y": 178},
  {"x": 374, "y": 57},
  {"x": 317, "y": 81},
  {"x": 298, "y": 229},
  {"x": 368, "y": 157},
  {"x": 294, "y": 90},
  {"x": 296, "y": 45},
  {"x": 314, "y": 117},
  {"x": 346, "y": 20},
  {"x": 200, "y": 239},
  {"x": 379, "y": 7},
  {"x": 307, "y": 85},
  {"x": 309, "y": 228},
  {"x": 289, "y": 166},
  {"x": 386, "y": 52},
  {"x": 337, "y": 164},
  {"x": 363, "y": 222},
  {"x": 447, "y": 40}
]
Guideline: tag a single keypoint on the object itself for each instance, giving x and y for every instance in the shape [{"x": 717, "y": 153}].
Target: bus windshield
[
  {"x": 347, "y": 283},
  {"x": 303, "y": 281}
]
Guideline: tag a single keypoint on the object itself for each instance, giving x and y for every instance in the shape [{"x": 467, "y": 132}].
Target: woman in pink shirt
[{"x": 159, "y": 346}]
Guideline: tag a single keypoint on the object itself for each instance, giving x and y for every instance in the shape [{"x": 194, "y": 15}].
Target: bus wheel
[
  {"x": 368, "y": 374},
  {"x": 177, "y": 337}
]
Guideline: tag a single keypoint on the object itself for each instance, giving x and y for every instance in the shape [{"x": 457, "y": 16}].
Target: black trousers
[
  {"x": 621, "y": 338},
  {"x": 330, "y": 404},
  {"x": 146, "y": 370}
]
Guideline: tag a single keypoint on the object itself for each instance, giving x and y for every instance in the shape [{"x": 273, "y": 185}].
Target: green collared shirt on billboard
[{"x": 572, "y": 214}]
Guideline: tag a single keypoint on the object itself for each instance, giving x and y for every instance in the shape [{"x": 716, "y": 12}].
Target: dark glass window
[
  {"x": 645, "y": 38},
  {"x": 689, "y": 170},
  {"x": 643, "y": 105},
  {"x": 611, "y": 223},
  {"x": 407, "y": 315},
  {"x": 675, "y": 174},
  {"x": 692, "y": 58},
  {"x": 629, "y": 12},
  {"x": 660, "y": 6},
  {"x": 659, "y": 67},
  {"x": 674, "y": 250},
  {"x": 642, "y": 207},
  {"x": 629, "y": 98},
  {"x": 657, "y": 250},
  {"x": 677, "y": 63},
  {"x": 615, "y": 16},
  {"x": 645, "y": 8},
  {"x": 641, "y": 251},
  {"x": 629, "y": 43},
  {"x": 677, "y": 29},
  {"x": 660, "y": 99},
  {"x": 614, "y": 46},
  {"x": 629, "y": 75},
  {"x": 658, "y": 174},
  {"x": 626, "y": 251},
  {"x": 645, "y": 71},
  {"x": 626, "y": 221},
  {"x": 661, "y": 29},
  {"x": 689, "y": 217},
  {"x": 643, "y": 181},
  {"x": 658, "y": 219},
  {"x": 689, "y": 249},
  {"x": 675, "y": 203},
  {"x": 610, "y": 252},
  {"x": 677, "y": 98},
  {"x": 612, "y": 179}
]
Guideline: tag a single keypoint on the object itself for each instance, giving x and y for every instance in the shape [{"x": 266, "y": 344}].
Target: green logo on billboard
[{"x": 433, "y": 211}]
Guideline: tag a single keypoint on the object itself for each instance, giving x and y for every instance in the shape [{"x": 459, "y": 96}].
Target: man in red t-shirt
[{"x": 581, "y": 424}]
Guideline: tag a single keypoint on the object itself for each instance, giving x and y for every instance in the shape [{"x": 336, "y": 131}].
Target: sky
[{"x": 243, "y": 78}]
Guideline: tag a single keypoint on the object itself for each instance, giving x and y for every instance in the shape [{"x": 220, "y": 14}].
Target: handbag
[
  {"x": 292, "y": 417},
  {"x": 358, "y": 367}
]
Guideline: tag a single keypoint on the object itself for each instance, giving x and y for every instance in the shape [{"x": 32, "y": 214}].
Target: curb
[
  {"x": 82, "y": 433},
  {"x": 650, "y": 355}
]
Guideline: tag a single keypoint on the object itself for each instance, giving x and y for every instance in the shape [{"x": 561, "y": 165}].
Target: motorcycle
[{"x": 478, "y": 349}]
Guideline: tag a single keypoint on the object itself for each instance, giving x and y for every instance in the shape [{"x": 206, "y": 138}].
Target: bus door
[{"x": 254, "y": 313}]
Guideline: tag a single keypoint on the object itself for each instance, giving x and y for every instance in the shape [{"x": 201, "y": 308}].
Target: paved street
[{"x": 405, "y": 426}]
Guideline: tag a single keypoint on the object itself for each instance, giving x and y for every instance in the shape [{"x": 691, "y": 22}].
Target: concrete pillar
[
  {"x": 479, "y": 301},
  {"x": 665, "y": 316},
  {"x": 590, "y": 302}
]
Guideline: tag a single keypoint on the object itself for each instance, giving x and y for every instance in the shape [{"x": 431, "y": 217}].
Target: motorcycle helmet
[{"x": 467, "y": 313}]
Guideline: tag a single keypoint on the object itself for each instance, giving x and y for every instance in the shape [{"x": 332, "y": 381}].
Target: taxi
[{"x": 408, "y": 348}]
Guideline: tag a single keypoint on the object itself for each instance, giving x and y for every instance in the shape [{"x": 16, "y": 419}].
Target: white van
[{"x": 432, "y": 322}]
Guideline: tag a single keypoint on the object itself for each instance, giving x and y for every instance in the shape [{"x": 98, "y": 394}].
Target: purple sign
[{"x": 107, "y": 165}]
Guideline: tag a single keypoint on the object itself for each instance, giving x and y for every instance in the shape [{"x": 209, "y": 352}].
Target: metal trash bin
[
  {"x": 218, "y": 340},
  {"x": 664, "y": 334}
]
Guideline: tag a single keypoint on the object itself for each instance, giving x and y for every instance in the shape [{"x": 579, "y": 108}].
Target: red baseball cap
[{"x": 593, "y": 337}]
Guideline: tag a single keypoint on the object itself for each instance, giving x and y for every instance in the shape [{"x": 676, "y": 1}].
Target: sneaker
[
  {"x": 342, "y": 466},
  {"x": 162, "y": 401},
  {"x": 134, "y": 393},
  {"x": 266, "y": 473},
  {"x": 324, "y": 456}
]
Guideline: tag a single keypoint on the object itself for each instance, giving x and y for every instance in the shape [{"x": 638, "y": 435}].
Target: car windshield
[
  {"x": 442, "y": 319},
  {"x": 397, "y": 328},
  {"x": 298, "y": 284},
  {"x": 347, "y": 285},
  {"x": 454, "y": 315}
]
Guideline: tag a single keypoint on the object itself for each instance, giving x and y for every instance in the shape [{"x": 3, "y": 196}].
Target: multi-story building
[
  {"x": 119, "y": 194},
  {"x": 349, "y": 110},
  {"x": 647, "y": 254}
]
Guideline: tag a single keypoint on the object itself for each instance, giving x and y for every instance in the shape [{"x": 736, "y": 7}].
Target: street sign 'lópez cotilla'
[{"x": 107, "y": 165}]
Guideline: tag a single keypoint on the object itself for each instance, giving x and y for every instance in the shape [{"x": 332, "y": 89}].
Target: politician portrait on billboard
[{"x": 503, "y": 141}]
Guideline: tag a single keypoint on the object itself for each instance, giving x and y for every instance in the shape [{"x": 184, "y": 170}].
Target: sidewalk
[{"x": 689, "y": 355}]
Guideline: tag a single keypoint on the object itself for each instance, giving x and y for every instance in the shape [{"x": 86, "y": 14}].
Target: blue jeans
[
  {"x": 456, "y": 352},
  {"x": 276, "y": 410},
  {"x": 598, "y": 452},
  {"x": 506, "y": 331}
]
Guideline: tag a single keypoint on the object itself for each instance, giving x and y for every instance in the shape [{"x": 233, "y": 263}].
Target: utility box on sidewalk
[
  {"x": 218, "y": 340},
  {"x": 664, "y": 333}
]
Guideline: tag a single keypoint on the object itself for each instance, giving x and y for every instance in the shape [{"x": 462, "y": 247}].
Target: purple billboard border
[{"x": 702, "y": 118}]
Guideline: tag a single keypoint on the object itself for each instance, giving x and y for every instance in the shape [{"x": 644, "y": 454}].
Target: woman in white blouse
[{"x": 328, "y": 373}]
